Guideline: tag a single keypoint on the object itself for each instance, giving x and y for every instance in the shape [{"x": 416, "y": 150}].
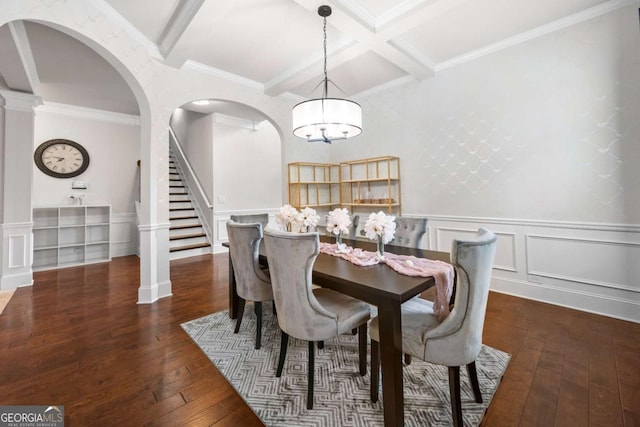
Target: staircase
[{"x": 186, "y": 234}]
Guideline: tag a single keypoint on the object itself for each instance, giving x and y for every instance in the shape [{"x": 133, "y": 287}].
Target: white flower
[
  {"x": 380, "y": 225},
  {"x": 338, "y": 221},
  {"x": 308, "y": 218},
  {"x": 286, "y": 216}
]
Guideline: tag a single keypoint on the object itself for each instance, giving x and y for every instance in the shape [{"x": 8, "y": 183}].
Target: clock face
[{"x": 61, "y": 158}]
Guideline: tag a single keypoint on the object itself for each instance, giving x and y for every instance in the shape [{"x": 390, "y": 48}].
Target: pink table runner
[{"x": 408, "y": 265}]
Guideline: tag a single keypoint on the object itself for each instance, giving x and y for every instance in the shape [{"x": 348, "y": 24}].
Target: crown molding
[
  {"x": 576, "y": 18},
  {"x": 197, "y": 66},
  {"x": 88, "y": 113}
]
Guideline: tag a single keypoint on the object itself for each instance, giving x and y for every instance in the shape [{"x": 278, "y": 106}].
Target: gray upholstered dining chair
[
  {"x": 409, "y": 231},
  {"x": 262, "y": 218},
  {"x": 353, "y": 229},
  {"x": 252, "y": 282},
  {"x": 306, "y": 313},
  {"x": 458, "y": 339}
]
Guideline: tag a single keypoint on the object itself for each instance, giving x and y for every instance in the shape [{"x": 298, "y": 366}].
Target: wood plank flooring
[{"x": 77, "y": 338}]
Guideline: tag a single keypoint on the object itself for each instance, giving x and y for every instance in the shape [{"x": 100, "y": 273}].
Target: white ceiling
[{"x": 276, "y": 45}]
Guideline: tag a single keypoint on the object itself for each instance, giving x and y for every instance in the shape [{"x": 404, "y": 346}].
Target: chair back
[
  {"x": 252, "y": 283},
  {"x": 261, "y": 218},
  {"x": 291, "y": 257},
  {"x": 458, "y": 339},
  {"x": 353, "y": 230},
  {"x": 409, "y": 231}
]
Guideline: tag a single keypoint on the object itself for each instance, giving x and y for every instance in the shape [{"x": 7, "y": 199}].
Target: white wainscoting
[
  {"x": 590, "y": 267},
  {"x": 220, "y": 219},
  {"x": 124, "y": 235}
]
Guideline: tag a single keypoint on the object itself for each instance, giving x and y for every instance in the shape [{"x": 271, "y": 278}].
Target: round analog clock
[{"x": 61, "y": 158}]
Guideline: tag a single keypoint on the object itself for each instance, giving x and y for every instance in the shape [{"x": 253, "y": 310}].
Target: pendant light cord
[{"x": 326, "y": 79}]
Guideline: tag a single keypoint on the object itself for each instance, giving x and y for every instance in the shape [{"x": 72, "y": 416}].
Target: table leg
[
  {"x": 390, "y": 329},
  {"x": 233, "y": 295}
]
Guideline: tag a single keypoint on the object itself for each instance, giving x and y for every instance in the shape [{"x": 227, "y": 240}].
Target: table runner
[{"x": 408, "y": 265}]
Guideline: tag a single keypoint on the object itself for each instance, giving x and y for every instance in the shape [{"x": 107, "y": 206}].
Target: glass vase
[
  {"x": 339, "y": 238},
  {"x": 380, "y": 247}
]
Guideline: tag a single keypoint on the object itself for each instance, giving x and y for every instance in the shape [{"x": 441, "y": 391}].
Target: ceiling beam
[
  {"x": 21, "y": 40},
  {"x": 173, "y": 32},
  {"x": 355, "y": 23}
]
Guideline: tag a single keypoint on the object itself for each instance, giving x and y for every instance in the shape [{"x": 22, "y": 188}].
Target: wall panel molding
[{"x": 590, "y": 267}]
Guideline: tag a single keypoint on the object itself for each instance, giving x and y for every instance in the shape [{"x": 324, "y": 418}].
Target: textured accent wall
[{"x": 545, "y": 130}]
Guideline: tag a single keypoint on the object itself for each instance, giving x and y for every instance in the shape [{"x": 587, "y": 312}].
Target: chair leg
[
  {"x": 257, "y": 307},
  {"x": 407, "y": 359},
  {"x": 320, "y": 345},
  {"x": 284, "y": 340},
  {"x": 241, "y": 302},
  {"x": 275, "y": 313},
  {"x": 475, "y": 385},
  {"x": 375, "y": 370},
  {"x": 354, "y": 331},
  {"x": 362, "y": 347},
  {"x": 454, "y": 390},
  {"x": 310, "y": 375}
]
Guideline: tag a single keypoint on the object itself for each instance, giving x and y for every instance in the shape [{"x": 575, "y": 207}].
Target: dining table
[{"x": 378, "y": 285}]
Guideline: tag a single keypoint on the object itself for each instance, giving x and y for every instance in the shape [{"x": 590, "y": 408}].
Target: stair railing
[{"x": 202, "y": 204}]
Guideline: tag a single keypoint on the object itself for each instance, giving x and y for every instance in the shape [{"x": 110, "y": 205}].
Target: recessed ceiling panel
[
  {"x": 479, "y": 23},
  {"x": 361, "y": 73},
  {"x": 72, "y": 73},
  {"x": 149, "y": 17},
  {"x": 257, "y": 39}
]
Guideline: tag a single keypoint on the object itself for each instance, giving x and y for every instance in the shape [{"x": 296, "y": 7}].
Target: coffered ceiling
[{"x": 276, "y": 45}]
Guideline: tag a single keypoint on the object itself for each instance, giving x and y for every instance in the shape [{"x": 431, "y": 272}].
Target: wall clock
[{"x": 61, "y": 158}]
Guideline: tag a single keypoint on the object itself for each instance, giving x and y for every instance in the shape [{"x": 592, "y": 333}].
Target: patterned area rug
[{"x": 341, "y": 394}]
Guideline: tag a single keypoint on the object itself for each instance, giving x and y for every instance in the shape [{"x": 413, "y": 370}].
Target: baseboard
[{"x": 616, "y": 307}]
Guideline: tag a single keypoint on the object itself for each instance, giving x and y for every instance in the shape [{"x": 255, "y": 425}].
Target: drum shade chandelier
[{"x": 326, "y": 119}]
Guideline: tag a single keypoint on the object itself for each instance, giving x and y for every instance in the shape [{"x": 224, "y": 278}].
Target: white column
[
  {"x": 154, "y": 225},
  {"x": 16, "y": 172}
]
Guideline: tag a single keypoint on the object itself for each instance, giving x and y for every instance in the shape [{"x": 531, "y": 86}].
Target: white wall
[
  {"x": 113, "y": 144},
  {"x": 246, "y": 167},
  {"x": 198, "y": 147},
  {"x": 538, "y": 141}
]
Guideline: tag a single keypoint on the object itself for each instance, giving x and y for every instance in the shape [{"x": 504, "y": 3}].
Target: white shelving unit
[{"x": 64, "y": 236}]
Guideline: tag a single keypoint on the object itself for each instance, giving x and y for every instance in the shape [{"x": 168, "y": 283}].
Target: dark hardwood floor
[{"x": 77, "y": 338}]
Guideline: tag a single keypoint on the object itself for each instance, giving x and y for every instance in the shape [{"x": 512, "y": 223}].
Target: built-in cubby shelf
[{"x": 65, "y": 236}]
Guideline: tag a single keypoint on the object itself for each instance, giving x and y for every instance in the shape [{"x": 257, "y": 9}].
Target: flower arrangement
[
  {"x": 308, "y": 219},
  {"x": 290, "y": 219},
  {"x": 338, "y": 221},
  {"x": 381, "y": 228},
  {"x": 287, "y": 217}
]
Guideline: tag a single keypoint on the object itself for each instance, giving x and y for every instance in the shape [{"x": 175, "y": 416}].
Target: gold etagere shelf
[
  {"x": 371, "y": 183},
  {"x": 314, "y": 185}
]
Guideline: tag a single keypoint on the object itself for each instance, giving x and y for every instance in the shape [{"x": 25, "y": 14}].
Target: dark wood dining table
[{"x": 378, "y": 285}]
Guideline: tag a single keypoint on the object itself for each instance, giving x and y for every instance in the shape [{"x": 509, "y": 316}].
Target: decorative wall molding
[
  {"x": 594, "y": 226},
  {"x": 124, "y": 236},
  {"x": 589, "y": 267},
  {"x": 505, "y": 253},
  {"x": 607, "y": 257},
  {"x": 18, "y": 248},
  {"x": 89, "y": 113}
]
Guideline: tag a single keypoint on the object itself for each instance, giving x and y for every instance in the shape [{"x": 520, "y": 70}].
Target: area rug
[{"x": 342, "y": 396}]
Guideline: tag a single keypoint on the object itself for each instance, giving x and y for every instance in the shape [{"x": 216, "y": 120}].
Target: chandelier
[{"x": 326, "y": 119}]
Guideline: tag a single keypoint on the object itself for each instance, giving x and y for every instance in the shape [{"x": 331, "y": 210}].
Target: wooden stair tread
[
  {"x": 182, "y": 217},
  {"x": 187, "y": 236},
  {"x": 184, "y": 226},
  {"x": 187, "y": 247}
]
